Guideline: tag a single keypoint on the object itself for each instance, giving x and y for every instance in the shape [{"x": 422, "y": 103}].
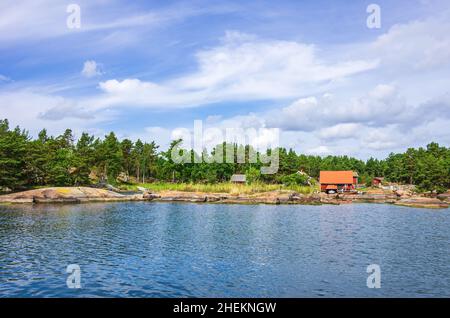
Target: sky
[{"x": 311, "y": 70}]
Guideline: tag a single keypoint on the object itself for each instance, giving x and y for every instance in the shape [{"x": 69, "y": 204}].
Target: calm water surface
[{"x": 210, "y": 250}]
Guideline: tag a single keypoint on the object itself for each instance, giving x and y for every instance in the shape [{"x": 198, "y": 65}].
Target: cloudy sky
[{"x": 312, "y": 69}]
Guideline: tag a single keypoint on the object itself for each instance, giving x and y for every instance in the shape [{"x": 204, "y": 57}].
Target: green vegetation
[
  {"x": 253, "y": 175},
  {"x": 223, "y": 187},
  {"x": 63, "y": 161},
  {"x": 295, "y": 179}
]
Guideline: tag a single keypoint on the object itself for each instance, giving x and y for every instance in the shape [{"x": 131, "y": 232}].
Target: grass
[{"x": 225, "y": 187}]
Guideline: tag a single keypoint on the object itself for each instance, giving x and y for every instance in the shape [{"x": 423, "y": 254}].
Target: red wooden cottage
[{"x": 338, "y": 180}]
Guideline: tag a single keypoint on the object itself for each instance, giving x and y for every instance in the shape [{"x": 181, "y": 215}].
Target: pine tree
[
  {"x": 84, "y": 159},
  {"x": 13, "y": 147}
]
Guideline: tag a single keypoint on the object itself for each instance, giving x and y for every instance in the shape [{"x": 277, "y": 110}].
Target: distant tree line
[{"x": 64, "y": 161}]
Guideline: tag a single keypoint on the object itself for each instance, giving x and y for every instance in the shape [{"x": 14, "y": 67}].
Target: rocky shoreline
[{"x": 86, "y": 194}]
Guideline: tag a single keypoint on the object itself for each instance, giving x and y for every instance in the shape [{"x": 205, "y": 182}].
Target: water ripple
[{"x": 145, "y": 249}]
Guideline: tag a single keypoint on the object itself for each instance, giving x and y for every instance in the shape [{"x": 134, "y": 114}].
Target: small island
[{"x": 64, "y": 170}]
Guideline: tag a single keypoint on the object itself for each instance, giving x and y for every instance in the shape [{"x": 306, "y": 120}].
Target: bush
[
  {"x": 295, "y": 179},
  {"x": 252, "y": 175}
]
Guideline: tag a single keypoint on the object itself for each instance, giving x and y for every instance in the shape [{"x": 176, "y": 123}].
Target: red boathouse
[{"x": 338, "y": 180}]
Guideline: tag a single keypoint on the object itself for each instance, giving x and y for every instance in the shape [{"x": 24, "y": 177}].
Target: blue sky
[{"x": 312, "y": 69}]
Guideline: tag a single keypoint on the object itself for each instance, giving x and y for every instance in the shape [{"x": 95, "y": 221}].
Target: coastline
[{"x": 73, "y": 195}]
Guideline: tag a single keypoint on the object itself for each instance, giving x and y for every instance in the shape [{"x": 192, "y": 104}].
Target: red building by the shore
[{"x": 338, "y": 180}]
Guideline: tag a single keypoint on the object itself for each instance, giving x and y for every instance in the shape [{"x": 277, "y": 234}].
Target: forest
[{"x": 63, "y": 161}]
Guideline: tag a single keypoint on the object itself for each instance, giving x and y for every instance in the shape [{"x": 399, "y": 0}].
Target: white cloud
[
  {"x": 339, "y": 131},
  {"x": 418, "y": 44},
  {"x": 243, "y": 67},
  {"x": 379, "y": 121},
  {"x": 90, "y": 69},
  {"x": 381, "y": 138},
  {"x": 34, "y": 111},
  {"x": 42, "y": 19},
  {"x": 320, "y": 150},
  {"x": 381, "y": 106},
  {"x": 133, "y": 92},
  {"x": 4, "y": 78},
  {"x": 303, "y": 114}
]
